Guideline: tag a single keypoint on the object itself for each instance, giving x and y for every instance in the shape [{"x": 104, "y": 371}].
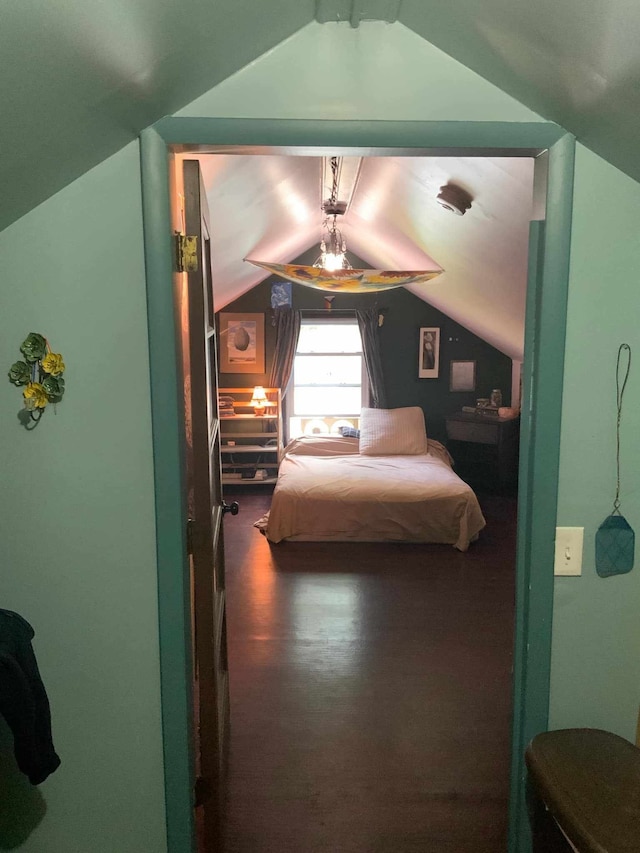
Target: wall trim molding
[{"x": 540, "y": 421}]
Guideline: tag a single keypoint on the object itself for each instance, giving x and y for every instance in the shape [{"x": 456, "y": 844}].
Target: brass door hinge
[{"x": 186, "y": 249}]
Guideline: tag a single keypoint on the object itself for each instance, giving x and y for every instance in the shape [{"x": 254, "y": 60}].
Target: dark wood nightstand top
[{"x": 499, "y": 437}]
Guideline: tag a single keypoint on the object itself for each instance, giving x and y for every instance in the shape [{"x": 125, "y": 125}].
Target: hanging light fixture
[
  {"x": 332, "y": 270},
  {"x": 333, "y": 247}
]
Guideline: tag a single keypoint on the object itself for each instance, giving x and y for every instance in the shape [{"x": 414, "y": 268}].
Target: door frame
[{"x": 547, "y": 289}]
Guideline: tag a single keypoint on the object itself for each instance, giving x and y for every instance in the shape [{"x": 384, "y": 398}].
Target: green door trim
[
  {"x": 541, "y": 412},
  {"x": 167, "y": 408}
]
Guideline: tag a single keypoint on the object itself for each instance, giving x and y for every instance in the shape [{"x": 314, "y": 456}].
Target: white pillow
[{"x": 393, "y": 432}]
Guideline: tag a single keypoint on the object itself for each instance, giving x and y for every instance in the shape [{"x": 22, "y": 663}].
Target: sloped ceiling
[
  {"x": 575, "y": 62},
  {"x": 81, "y": 79},
  {"x": 269, "y": 208}
]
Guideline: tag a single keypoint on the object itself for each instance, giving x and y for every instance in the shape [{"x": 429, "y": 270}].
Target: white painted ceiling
[{"x": 268, "y": 207}]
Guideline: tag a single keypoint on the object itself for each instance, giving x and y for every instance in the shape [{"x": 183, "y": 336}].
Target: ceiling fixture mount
[
  {"x": 333, "y": 246},
  {"x": 454, "y": 199},
  {"x": 335, "y": 208}
]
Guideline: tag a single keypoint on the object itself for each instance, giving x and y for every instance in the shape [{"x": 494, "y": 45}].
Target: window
[{"x": 329, "y": 383}]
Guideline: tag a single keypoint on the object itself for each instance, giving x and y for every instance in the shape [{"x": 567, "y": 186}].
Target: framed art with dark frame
[
  {"x": 429, "y": 353},
  {"x": 462, "y": 376},
  {"x": 241, "y": 343}
]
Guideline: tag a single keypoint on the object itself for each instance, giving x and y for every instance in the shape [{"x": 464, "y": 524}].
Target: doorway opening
[{"x": 546, "y": 308}]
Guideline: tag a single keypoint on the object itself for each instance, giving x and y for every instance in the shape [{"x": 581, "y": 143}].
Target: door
[{"x": 206, "y": 508}]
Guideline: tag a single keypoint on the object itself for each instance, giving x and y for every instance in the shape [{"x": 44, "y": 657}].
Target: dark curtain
[
  {"x": 370, "y": 334},
  {"x": 287, "y": 323}
]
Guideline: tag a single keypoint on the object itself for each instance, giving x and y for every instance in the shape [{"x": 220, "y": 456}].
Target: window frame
[{"x": 365, "y": 391}]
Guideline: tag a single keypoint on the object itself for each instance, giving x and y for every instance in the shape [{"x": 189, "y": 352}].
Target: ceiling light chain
[
  {"x": 333, "y": 246},
  {"x": 333, "y": 198}
]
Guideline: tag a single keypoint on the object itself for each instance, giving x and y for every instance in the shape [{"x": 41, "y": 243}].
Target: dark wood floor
[{"x": 370, "y": 692}]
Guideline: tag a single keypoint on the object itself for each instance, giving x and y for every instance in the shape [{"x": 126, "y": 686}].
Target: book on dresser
[{"x": 250, "y": 438}]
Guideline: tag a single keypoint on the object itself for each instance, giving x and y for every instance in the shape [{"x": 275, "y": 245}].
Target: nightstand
[{"x": 484, "y": 449}]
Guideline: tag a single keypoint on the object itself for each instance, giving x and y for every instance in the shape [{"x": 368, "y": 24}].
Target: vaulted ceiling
[
  {"x": 80, "y": 79},
  {"x": 268, "y": 208}
]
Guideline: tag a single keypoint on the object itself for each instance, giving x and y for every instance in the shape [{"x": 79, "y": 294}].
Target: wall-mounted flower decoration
[{"x": 40, "y": 373}]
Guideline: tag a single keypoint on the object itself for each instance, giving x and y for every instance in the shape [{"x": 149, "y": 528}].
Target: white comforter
[{"x": 339, "y": 495}]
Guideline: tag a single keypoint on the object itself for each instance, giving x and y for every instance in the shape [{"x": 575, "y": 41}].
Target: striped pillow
[
  {"x": 393, "y": 432},
  {"x": 349, "y": 432}
]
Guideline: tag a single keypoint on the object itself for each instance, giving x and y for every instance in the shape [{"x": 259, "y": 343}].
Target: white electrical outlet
[{"x": 568, "y": 551}]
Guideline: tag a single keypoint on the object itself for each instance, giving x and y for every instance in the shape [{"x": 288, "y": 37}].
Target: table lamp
[{"x": 259, "y": 401}]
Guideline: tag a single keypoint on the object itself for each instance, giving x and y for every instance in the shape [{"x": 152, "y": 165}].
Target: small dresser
[{"x": 485, "y": 450}]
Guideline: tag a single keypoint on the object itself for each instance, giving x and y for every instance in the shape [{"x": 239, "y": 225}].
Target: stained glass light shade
[{"x": 349, "y": 280}]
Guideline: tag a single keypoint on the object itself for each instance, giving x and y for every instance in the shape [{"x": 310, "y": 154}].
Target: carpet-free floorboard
[{"x": 370, "y": 691}]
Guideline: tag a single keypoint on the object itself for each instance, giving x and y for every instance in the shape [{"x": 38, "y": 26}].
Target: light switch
[{"x": 568, "y": 551}]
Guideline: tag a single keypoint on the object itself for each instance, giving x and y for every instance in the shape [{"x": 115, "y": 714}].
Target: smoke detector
[{"x": 454, "y": 198}]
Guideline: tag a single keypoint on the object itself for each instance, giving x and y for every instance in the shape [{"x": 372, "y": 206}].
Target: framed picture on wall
[
  {"x": 429, "y": 353},
  {"x": 462, "y": 376},
  {"x": 241, "y": 343}
]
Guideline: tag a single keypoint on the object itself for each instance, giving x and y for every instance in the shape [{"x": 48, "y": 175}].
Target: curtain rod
[{"x": 327, "y": 310}]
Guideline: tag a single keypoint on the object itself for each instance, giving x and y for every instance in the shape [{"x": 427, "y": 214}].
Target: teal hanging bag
[{"x": 615, "y": 539}]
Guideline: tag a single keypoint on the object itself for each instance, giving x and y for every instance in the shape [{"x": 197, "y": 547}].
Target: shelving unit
[{"x": 256, "y": 439}]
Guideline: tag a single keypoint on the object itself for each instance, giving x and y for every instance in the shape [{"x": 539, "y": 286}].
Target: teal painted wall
[
  {"x": 73, "y": 269},
  {"x": 596, "y": 629},
  {"x": 76, "y": 512}
]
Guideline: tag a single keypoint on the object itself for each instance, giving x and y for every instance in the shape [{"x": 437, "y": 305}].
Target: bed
[{"x": 334, "y": 488}]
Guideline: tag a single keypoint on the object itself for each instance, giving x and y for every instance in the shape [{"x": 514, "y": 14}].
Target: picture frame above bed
[
  {"x": 241, "y": 343},
  {"x": 429, "y": 353},
  {"x": 462, "y": 376}
]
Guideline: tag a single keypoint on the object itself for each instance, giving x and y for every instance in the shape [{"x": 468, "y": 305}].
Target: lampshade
[
  {"x": 347, "y": 280},
  {"x": 259, "y": 400}
]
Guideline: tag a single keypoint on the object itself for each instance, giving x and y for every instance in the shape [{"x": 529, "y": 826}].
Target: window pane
[
  {"x": 328, "y": 370},
  {"x": 327, "y": 401},
  {"x": 329, "y": 337}
]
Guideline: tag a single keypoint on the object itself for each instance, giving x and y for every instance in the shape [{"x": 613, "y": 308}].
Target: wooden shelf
[
  {"x": 249, "y": 448},
  {"x": 252, "y": 481},
  {"x": 228, "y": 418},
  {"x": 249, "y": 444}
]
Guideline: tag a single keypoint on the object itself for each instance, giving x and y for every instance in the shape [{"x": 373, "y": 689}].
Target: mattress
[{"x": 327, "y": 491}]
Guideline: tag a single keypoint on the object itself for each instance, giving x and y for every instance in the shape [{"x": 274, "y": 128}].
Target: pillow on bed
[{"x": 393, "y": 432}]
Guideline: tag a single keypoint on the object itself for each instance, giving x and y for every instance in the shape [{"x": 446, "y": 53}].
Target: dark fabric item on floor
[{"x": 23, "y": 699}]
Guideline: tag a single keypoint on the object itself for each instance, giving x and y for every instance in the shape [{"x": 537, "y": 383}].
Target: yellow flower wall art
[
  {"x": 40, "y": 374},
  {"x": 35, "y": 396},
  {"x": 52, "y": 363}
]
